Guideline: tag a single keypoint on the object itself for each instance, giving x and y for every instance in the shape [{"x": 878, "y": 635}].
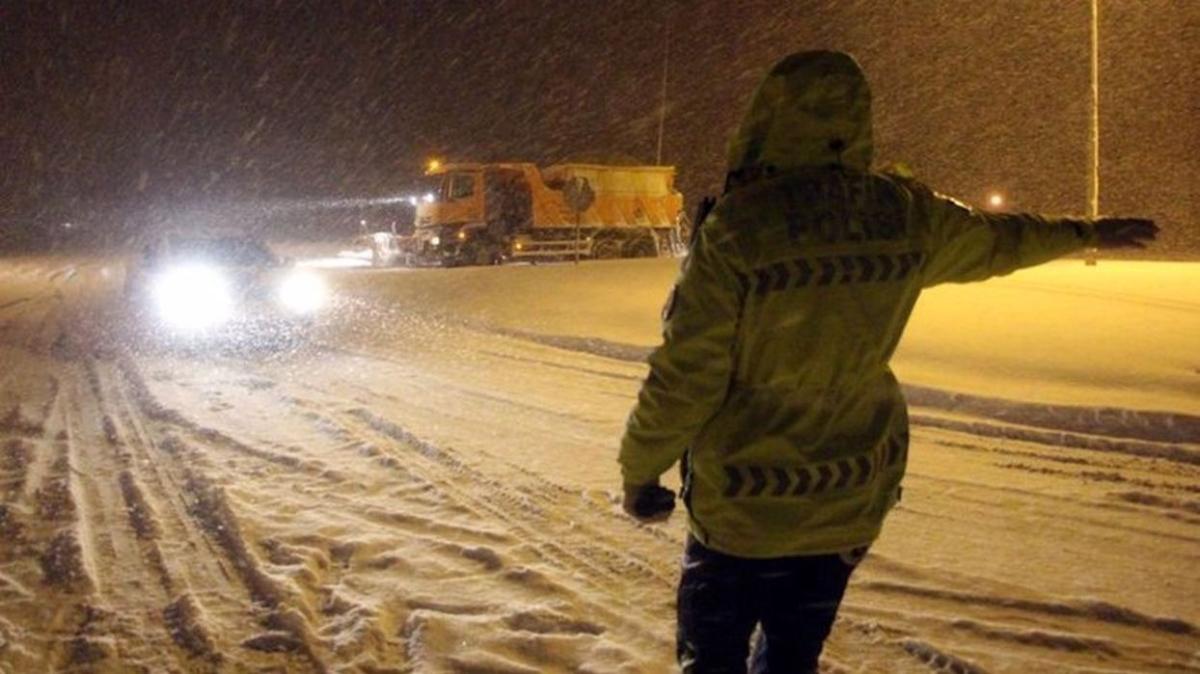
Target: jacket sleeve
[
  {"x": 690, "y": 372},
  {"x": 968, "y": 245}
]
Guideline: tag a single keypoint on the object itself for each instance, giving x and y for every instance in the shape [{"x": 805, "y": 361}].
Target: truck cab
[{"x": 473, "y": 213}]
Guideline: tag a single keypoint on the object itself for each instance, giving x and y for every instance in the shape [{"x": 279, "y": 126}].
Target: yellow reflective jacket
[{"x": 773, "y": 374}]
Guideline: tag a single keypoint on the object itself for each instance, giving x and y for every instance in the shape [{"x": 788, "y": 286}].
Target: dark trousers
[{"x": 723, "y": 598}]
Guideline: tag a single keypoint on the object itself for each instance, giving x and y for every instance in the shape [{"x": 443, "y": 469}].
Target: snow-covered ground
[{"x": 428, "y": 484}]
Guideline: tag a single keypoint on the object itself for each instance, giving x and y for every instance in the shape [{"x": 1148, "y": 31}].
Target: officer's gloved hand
[
  {"x": 1124, "y": 232},
  {"x": 648, "y": 503}
]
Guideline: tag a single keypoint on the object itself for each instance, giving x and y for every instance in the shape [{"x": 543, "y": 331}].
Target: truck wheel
[
  {"x": 641, "y": 247},
  {"x": 477, "y": 254},
  {"x": 606, "y": 249},
  {"x": 482, "y": 256}
]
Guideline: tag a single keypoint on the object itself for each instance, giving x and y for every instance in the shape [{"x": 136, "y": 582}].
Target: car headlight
[
  {"x": 303, "y": 292},
  {"x": 435, "y": 241},
  {"x": 193, "y": 297}
]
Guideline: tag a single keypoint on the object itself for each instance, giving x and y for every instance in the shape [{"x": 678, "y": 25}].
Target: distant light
[
  {"x": 433, "y": 165},
  {"x": 363, "y": 223},
  {"x": 995, "y": 200},
  {"x": 428, "y": 198},
  {"x": 67, "y": 225},
  {"x": 194, "y": 297},
  {"x": 303, "y": 292},
  {"x": 412, "y": 201}
]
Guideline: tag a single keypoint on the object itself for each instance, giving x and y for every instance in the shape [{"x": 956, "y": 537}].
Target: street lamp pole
[
  {"x": 1094, "y": 177},
  {"x": 662, "y": 94},
  {"x": 1094, "y": 186}
]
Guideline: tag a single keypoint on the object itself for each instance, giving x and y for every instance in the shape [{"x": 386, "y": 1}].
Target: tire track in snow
[
  {"x": 1110, "y": 422},
  {"x": 450, "y": 542},
  {"x": 608, "y": 564},
  {"x": 1102, "y": 428},
  {"x": 938, "y": 660},
  {"x": 1170, "y": 452},
  {"x": 939, "y": 638},
  {"x": 177, "y": 591},
  {"x": 1028, "y": 633},
  {"x": 497, "y": 357},
  {"x": 187, "y": 436},
  {"x": 336, "y": 614},
  {"x": 12, "y": 303},
  {"x": 287, "y": 622},
  {"x": 183, "y": 616},
  {"x": 577, "y": 550},
  {"x": 1065, "y": 519},
  {"x": 46, "y": 587},
  {"x": 1096, "y": 611},
  {"x": 574, "y": 369},
  {"x": 249, "y": 620},
  {"x": 126, "y": 590},
  {"x": 972, "y": 635},
  {"x": 991, "y": 615},
  {"x": 449, "y": 386},
  {"x": 450, "y": 476},
  {"x": 1166, "y": 488},
  {"x": 494, "y": 500}
]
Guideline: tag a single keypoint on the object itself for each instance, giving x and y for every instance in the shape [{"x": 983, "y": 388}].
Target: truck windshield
[{"x": 461, "y": 186}]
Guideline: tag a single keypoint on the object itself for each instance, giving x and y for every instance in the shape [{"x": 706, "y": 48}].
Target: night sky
[{"x": 118, "y": 114}]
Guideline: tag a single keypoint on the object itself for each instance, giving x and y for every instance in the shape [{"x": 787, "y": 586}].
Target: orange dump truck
[{"x": 492, "y": 213}]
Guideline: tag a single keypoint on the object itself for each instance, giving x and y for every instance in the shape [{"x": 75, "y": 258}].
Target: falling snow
[
  {"x": 141, "y": 115},
  {"x": 421, "y": 476}
]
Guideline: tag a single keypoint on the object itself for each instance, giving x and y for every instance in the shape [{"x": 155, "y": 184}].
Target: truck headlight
[
  {"x": 193, "y": 297},
  {"x": 303, "y": 292}
]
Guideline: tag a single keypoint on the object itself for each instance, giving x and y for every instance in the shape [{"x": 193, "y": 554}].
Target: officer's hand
[
  {"x": 648, "y": 503},
  {"x": 1124, "y": 232}
]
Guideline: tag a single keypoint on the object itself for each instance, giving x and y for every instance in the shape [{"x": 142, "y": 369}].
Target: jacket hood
[{"x": 812, "y": 109}]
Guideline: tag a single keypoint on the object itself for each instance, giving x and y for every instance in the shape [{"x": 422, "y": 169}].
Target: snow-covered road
[{"x": 427, "y": 485}]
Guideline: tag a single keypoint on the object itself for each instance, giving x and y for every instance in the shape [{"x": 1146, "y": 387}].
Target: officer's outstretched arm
[
  {"x": 689, "y": 373},
  {"x": 969, "y": 245}
]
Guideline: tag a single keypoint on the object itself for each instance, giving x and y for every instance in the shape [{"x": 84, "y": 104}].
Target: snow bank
[{"x": 1118, "y": 336}]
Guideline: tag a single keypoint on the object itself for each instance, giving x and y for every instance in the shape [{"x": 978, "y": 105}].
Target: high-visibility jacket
[{"x": 773, "y": 373}]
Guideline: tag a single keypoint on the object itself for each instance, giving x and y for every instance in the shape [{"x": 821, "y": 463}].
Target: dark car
[{"x": 228, "y": 286}]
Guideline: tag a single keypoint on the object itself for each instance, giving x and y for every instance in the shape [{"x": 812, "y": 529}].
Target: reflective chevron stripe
[
  {"x": 829, "y": 270},
  {"x": 886, "y": 265},
  {"x": 780, "y": 482},
  {"x": 844, "y": 470},
  {"x": 863, "y": 464},
  {"x": 734, "y": 488},
  {"x": 803, "y": 482},
  {"x": 758, "y": 481},
  {"x": 895, "y": 449}
]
